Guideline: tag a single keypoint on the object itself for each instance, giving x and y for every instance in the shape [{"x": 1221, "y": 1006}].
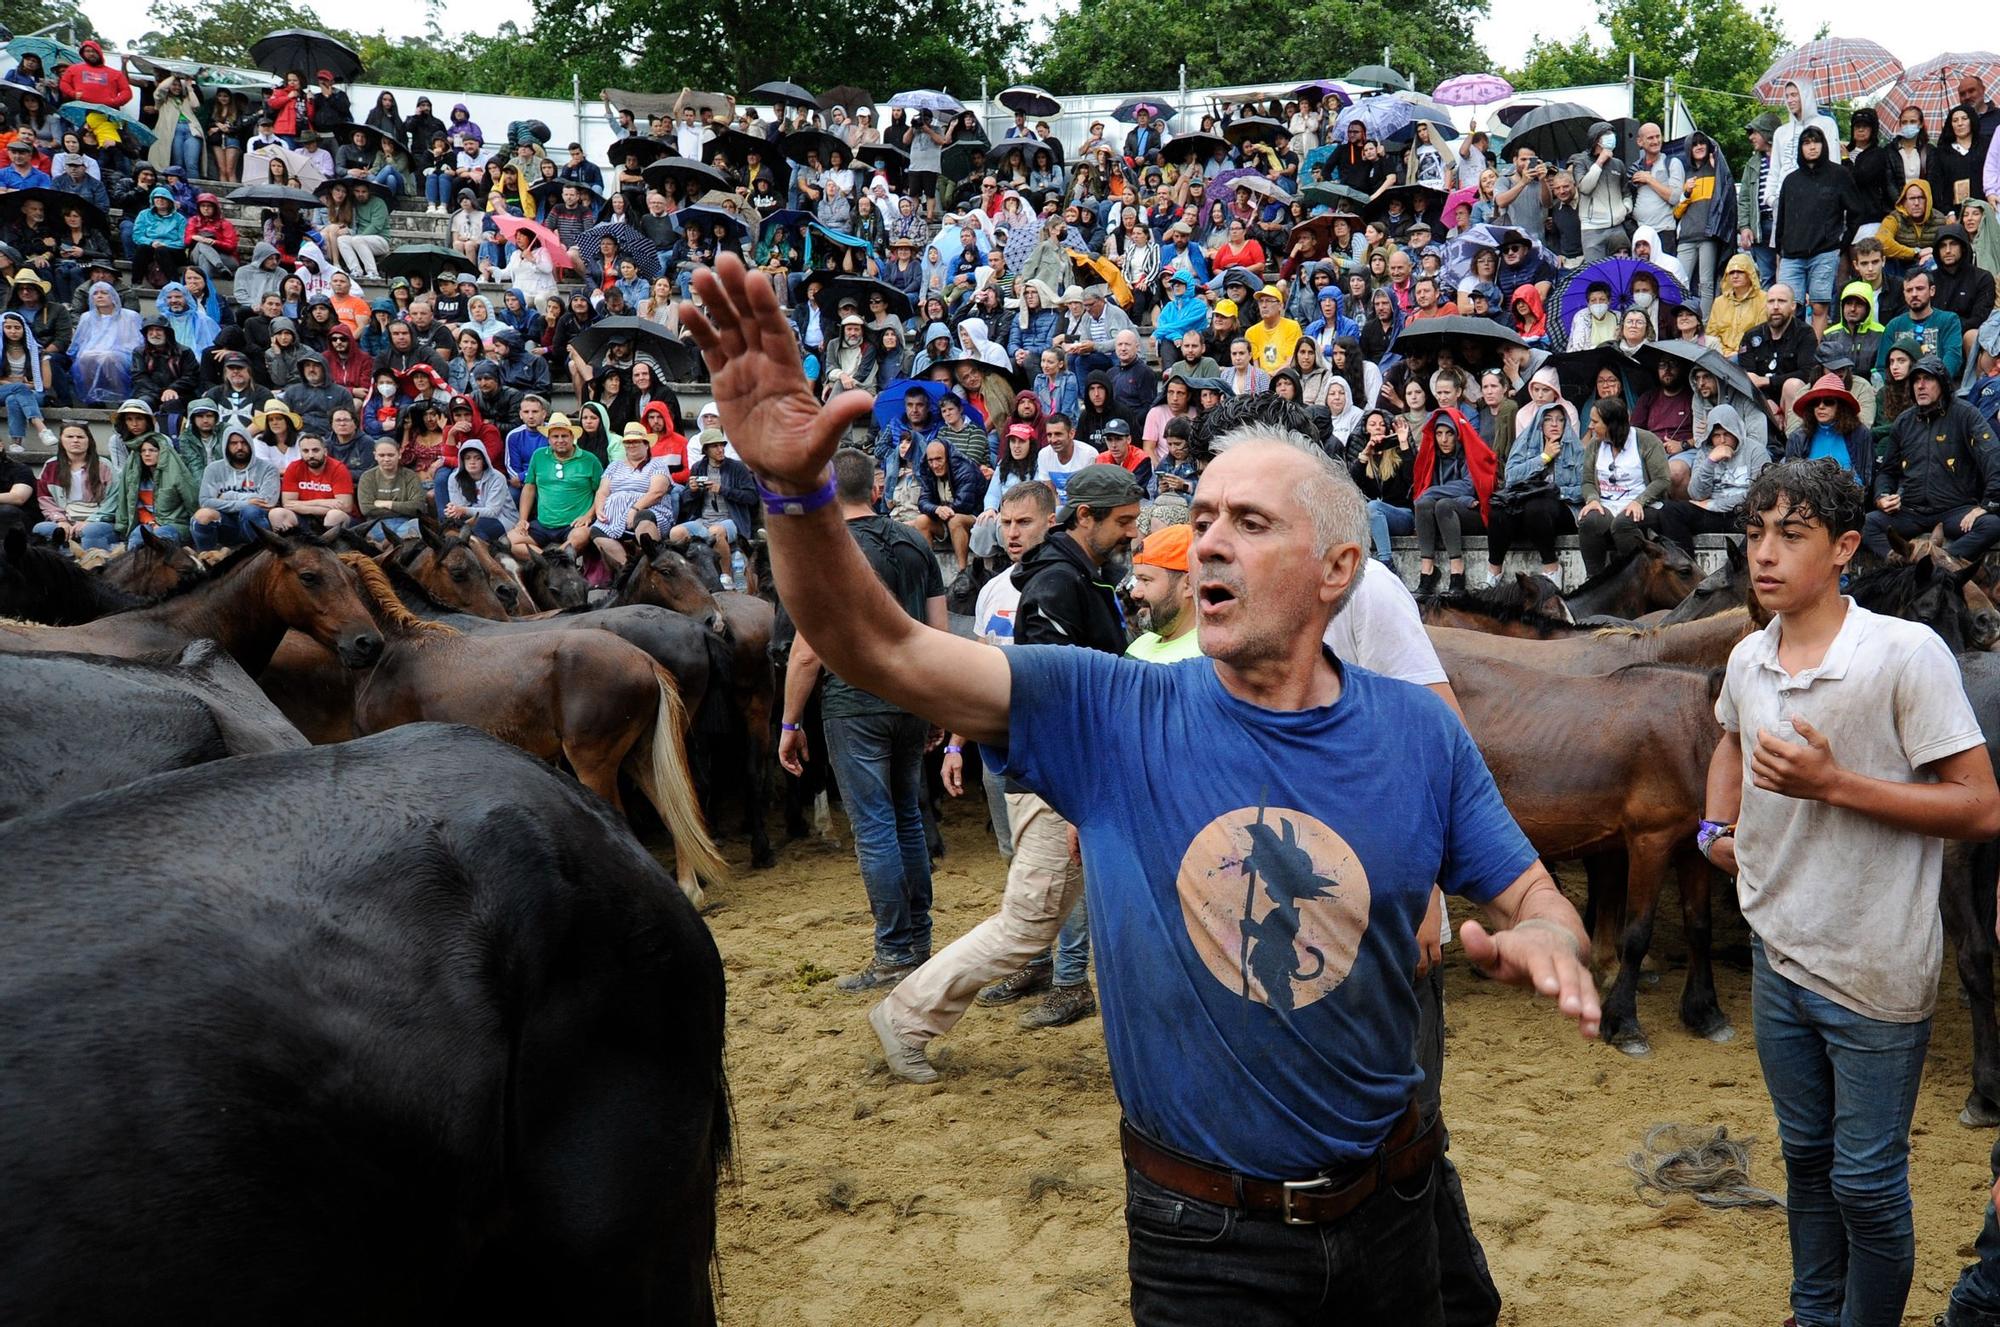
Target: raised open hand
[{"x": 767, "y": 406}]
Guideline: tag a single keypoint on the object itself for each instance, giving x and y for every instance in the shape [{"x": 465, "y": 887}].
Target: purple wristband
[{"x": 796, "y": 504}]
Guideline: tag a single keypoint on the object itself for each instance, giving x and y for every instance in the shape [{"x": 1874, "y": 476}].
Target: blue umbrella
[
  {"x": 928, "y": 99},
  {"x": 889, "y": 401},
  {"x": 75, "y": 111},
  {"x": 780, "y": 219},
  {"x": 1616, "y": 273},
  {"x": 1128, "y": 110},
  {"x": 1422, "y": 111},
  {"x": 53, "y": 52},
  {"x": 632, "y": 243}
]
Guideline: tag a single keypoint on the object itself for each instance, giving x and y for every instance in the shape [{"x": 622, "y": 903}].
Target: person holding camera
[
  {"x": 719, "y": 504},
  {"x": 927, "y": 144},
  {"x": 1523, "y": 198}
]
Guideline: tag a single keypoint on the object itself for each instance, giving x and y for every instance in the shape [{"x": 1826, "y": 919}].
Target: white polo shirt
[{"x": 1846, "y": 906}]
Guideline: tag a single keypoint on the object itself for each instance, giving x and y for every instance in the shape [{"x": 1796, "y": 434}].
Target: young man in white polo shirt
[{"x": 1849, "y": 753}]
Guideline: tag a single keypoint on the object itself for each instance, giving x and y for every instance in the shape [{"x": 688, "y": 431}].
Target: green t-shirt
[
  {"x": 1149, "y": 648},
  {"x": 564, "y": 490}
]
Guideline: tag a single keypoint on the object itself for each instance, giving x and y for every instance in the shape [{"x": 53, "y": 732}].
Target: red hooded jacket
[
  {"x": 487, "y": 433},
  {"x": 667, "y": 440},
  {"x": 1480, "y": 463},
  {"x": 96, "y": 83}
]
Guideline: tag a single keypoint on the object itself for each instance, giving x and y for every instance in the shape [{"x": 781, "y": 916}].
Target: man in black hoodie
[
  {"x": 163, "y": 370},
  {"x": 1942, "y": 467},
  {"x": 1963, "y": 287},
  {"x": 1818, "y": 209}
]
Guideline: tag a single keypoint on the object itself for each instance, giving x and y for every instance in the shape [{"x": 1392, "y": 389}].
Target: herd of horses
[{"x": 1620, "y": 677}]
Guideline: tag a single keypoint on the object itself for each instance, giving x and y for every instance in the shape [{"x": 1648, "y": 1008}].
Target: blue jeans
[
  {"x": 24, "y": 407},
  {"x": 440, "y": 188},
  {"x": 1196, "y": 1263},
  {"x": 878, "y": 761},
  {"x": 1765, "y": 259},
  {"x": 389, "y": 178},
  {"x": 187, "y": 149},
  {"x": 125, "y": 240},
  {"x": 1844, "y": 1087},
  {"x": 1811, "y": 278},
  {"x": 1386, "y": 520},
  {"x": 235, "y": 527},
  {"x": 1975, "y": 1300},
  {"x": 103, "y": 534},
  {"x": 398, "y": 526}
]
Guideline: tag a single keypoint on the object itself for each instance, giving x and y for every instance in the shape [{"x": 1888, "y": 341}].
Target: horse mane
[
  {"x": 406, "y": 586},
  {"x": 1614, "y": 633},
  {"x": 383, "y": 603},
  {"x": 1605, "y": 577},
  {"x": 1499, "y": 610}
]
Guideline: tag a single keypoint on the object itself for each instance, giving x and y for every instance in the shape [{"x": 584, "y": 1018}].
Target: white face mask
[
  {"x": 1598, "y": 308},
  {"x": 1642, "y": 299},
  {"x": 1608, "y": 141}
]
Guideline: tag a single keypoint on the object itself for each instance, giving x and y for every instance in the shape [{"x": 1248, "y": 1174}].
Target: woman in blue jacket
[{"x": 1540, "y": 488}]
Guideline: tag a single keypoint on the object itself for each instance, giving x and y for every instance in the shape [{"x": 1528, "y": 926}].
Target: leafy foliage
[{"x": 223, "y": 31}]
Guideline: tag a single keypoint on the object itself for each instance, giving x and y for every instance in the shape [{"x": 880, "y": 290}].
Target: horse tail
[{"x": 659, "y": 764}]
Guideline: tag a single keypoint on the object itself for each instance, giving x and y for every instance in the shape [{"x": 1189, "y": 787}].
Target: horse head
[
  {"x": 450, "y": 570},
  {"x": 1727, "y": 587},
  {"x": 310, "y": 592},
  {"x": 1670, "y": 574},
  {"x": 663, "y": 576}
]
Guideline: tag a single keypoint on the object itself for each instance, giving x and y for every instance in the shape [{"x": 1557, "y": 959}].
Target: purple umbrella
[
  {"x": 1616, "y": 273},
  {"x": 1472, "y": 90},
  {"x": 1320, "y": 88},
  {"x": 1222, "y": 188}
]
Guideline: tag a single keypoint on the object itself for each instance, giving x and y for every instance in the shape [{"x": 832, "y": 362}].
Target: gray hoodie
[
  {"x": 226, "y": 488},
  {"x": 283, "y": 365},
  {"x": 1724, "y": 484},
  {"x": 252, "y": 280},
  {"x": 491, "y": 497}
]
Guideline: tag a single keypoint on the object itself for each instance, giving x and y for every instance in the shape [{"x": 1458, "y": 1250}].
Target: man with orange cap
[{"x": 1165, "y": 596}]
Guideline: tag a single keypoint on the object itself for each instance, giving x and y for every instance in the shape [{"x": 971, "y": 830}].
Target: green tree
[
  {"x": 507, "y": 63},
  {"x": 223, "y": 31},
  {"x": 1118, "y": 45},
  {"x": 1714, "y": 50},
  {"x": 733, "y": 45},
  {"x": 25, "y": 16}
]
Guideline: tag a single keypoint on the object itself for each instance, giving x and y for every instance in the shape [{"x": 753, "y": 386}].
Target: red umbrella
[
  {"x": 1839, "y": 69},
  {"x": 508, "y": 224},
  {"x": 1933, "y": 85}
]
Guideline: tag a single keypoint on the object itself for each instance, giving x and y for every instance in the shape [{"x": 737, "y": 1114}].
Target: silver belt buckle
[{"x": 1300, "y": 1186}]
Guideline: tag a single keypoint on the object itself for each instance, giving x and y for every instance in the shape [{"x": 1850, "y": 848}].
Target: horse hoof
[
  {"x": 1979, "y": 1115},
  {"x": 1722, "y": 1035},
  {"x": 764, "y": 860},
  {"x": 1636, "y": 1047}
]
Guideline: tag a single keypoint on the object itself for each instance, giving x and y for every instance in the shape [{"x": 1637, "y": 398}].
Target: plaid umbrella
[
  {"x": 632, "y": 243},
  {"x": 508, "y": 225},
  {"x": 1933, "y": 85},
  {"x": 1839, "y": 68}
]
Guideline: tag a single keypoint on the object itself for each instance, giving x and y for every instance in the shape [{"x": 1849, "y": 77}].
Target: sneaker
[
  {"x": 905, "y": 1061},
  {"x": 48, "y": 436},
  {"x": 1031, "y": 980},
  {"x": 1061, "y": 1007},
  {"x": 877, "y": 976},
  {"x": 16, "y": 447},
  {"x": 1458, "y": 582}
]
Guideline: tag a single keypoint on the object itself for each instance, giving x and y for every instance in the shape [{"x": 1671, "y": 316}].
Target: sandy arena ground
[{"x": 995, "y": 1197}]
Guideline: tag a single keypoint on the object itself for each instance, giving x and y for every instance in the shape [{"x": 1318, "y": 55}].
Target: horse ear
[
  {"x": 1962, "y": 574},
  {"x": 1899, "y": 547},
  {"x": 432, "y": 538},
  {"x": 1527, "y": 583},
  {"x": 406, "y": 551},
  {"x": 647, "y": 545},
  {"x": 1926, "y": 571},
  {"x": 150, "y": 539},
  {"x": 1937, "y": 536},
  {"x": 272, "y": 541},
  {"x": 1738, "y": 553}
]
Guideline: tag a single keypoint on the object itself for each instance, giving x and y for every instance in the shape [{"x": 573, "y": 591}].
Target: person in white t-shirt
[
  {"x": 1849, "y": 754},
  {"x": 1064, "y": 455}
]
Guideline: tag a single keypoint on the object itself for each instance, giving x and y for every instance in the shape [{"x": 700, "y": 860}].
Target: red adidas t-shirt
[{"x": 332, "y": 480}]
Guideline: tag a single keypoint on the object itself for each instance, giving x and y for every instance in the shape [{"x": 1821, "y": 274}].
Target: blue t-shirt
[{"x": 1326, "y": 827}]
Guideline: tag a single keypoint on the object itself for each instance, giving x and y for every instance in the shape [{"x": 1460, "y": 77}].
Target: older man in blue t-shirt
[{"x": 1257, "y": 923}]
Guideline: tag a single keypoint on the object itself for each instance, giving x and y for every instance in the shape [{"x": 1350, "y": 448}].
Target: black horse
[
  {"x": 39, "y": 584},
  {"x": 459, "y": 1061}
]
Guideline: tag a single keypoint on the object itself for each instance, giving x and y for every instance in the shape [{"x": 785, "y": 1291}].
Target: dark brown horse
[
  {"x": 251, "y": 598},
  {"x": 598, "y": 703},
  {"x": 39, "y": 584},
  {"x": 156, "y": 567},
  {"x": 1728, "y": 586},
  {"x": 554, "y": 582},
  {"x": 1634, "y": 784},
  {"x": 1657, "y": 575},
  {"x": 1525, "y": 606},
  {"x": 660, "y": 576},
  {"x": 459, "y": 572}
]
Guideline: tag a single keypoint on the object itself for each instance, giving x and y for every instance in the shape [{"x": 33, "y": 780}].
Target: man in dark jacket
[
  {"x": 719, "y": 503},
  {"x": 1781, "y": 351},
  {"x": 163, "y": 370},
  {"x": 1963, "y": 287},
  {"x": 498, "y": 403},
  {"x": 1942, "y": 468},
  {"x": 314, "y": 395},
  {"x": 1818, "y": 209},
  {"x": 327, "y": 106},
  {"x": 518, "y": 369}
]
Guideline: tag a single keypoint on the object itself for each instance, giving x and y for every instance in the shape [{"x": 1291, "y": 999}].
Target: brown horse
[
  {"x": 588, "y": 697},
  {"x": 660, "y": 576},
  {"x": 459, "y": 572},
  {"x": 263, "y": 589},
  {"x": 1728, "y": 586},
  {"x": 1636, "y": 786},
  {"x": 554, "y": 582},
  {"x": 157, "y": 567},
  {"x": 1526, "y": 606},
  {"x": 1704, "y": 643},
  {"x": 1658, "y": 575}
]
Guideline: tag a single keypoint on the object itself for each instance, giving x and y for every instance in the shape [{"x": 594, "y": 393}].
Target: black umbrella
[
  {"x": 547, "y": 193},
  {"x": 306, "y": 51},
  {"x": 631, "y": 242},
  {"x": 423, "y": 260},
  {"x": 676, "y": 359},
  {"x": 1577, "y": 370},
  {"x": 271, "y": 195},
  {"x": 1377, "y": 76},
  {"x": 341, "y": 135},
  {"x": 956, "y": 160},
  {"x": 1698, "y": 356},
  {"x": 1478, "y": 341},
  {"x": 1336, "y": 196},
  {"x": 796, "y": 144},
  {"x": 1253, "y": 128},
  {"x": 846, "y": 96},
  {"x": 643, "y": 146},
  {"x": 1557, "y": 131},
  {"x": 784, "y": 94},
  {"x": 1030, "y": 100},
  {"x": 1418, "y": 200},
  {"x": 738, "y": 144},
  {"x": 891, "y": 161},
  {"x": 52, "y": 201},
  {"x": 859, "y": 288},
  {"x": 693, "y": 177},
  {"x": 1192, "y": 147}
]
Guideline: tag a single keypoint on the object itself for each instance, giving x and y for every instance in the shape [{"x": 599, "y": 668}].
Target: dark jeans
[
  {"x": 1196, "y": 1264},
  {"x": 1446, "y": 520},
  {"x": 1975, "y": 1300},
  {"x": 1843, "y": 1087},
  {"x": 1680, "y": 521},
  {"x": 1464, "y": 1281},
  {"x": 1538, "y": 521},
  {"x": 878, "y": 762},
  {"x": 1600, "y": 537},
  {"x": 1967, "y": 546},
  {"x": 235, "y": 527}
]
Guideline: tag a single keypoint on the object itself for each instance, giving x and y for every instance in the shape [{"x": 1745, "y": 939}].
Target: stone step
[{"x": 1710, "y": 552}]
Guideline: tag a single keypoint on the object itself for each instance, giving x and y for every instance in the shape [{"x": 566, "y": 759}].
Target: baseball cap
[
  {"x": 1271, "y": 292},
  {"x": 1116, "y": 424},
  {"x": 1226, "y": 307},
  {"x": 1101, "y": 488},
  {"x": 1166, "y": 547}
]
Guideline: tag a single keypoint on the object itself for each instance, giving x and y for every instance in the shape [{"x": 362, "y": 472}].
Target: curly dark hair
[
  {"x": 1235, "y": 412},
  {"x": 1812, "y": 490}
]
